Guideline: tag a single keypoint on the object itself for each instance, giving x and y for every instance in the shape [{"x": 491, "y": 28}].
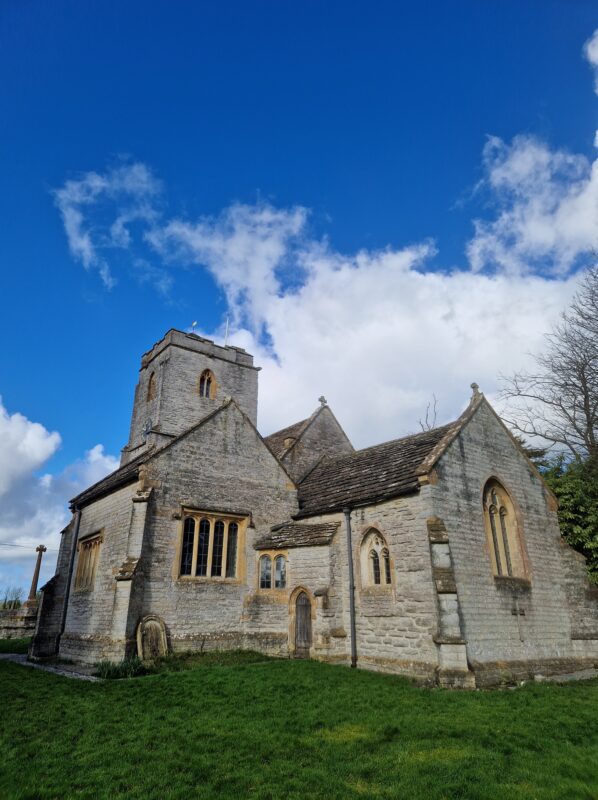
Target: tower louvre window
[
  {"x": 207, "y": 384},
  {"x": 151, "y": 387}
]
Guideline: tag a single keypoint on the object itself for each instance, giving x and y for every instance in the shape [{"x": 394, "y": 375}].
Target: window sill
[
  {"x": 511, "y": 582},
  {"x": 382, "y": 589},
  {"x": 207, "y": 579}
]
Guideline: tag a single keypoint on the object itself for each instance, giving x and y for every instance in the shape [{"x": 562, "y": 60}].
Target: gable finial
[
  {"x": 475, "y": 391},
  {"x": 322, "y": 400}
]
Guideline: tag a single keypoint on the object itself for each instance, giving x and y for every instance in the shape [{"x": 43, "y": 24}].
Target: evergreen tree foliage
[{"x": 575, "y": 483}]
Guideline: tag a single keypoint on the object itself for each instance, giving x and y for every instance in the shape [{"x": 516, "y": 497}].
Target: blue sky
[{"x": 359, "y": 186}]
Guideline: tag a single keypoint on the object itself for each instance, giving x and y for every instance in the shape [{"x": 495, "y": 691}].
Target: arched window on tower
[
  {"x": 376, "y": 568},
  {"x": 502, "y": 532},
  {"x": 151, "y": 387},
  {"x": 207, "y": 384}
]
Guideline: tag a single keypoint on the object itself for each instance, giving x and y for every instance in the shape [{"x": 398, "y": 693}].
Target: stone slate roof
[
  {"x": 130, "y": 472},
  {"x": 368, "y": 476},
  {"x": 276, "y": 440},
  {"x": 120, "y": 477},
  {"x": 292, "y": 534}
]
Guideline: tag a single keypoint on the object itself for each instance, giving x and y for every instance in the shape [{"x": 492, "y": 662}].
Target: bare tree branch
[
  {"x": 558, "y": 400},
  {"x": 430, "y": 421}
]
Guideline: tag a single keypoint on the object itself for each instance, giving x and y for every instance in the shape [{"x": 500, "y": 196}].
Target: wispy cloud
[
  {"x": 130, "y": 190},
  {"x": 547, "y": 203},
  {"x": 247, "y": 249},
  {"x": 590, "y": 51}
]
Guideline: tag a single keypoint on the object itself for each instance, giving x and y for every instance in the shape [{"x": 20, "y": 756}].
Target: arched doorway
[{"x": 302, "y": 625}]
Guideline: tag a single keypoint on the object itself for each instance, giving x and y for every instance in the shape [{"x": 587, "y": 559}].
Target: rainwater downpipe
[
  {"x": 347, "y": 513},
  {"x": 67, "y": 590}
]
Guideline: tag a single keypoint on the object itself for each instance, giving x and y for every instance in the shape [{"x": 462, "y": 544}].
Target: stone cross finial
[
  {"x": 322, "y": 400},
  {"x": 40, "y": 550},
  {"x": 475, "y": 391}
]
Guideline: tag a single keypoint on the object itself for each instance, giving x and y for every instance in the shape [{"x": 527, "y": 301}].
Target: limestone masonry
[{"x": 210, "y": 536}]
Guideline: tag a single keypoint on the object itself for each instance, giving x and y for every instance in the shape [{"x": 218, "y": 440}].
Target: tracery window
[
  {"x": 89, "y": 554},
  {"x": 272, "y": 571},
  {"x": 502, "y": 531},
  {"x": 376, "y": 568},
  {"x": 207, "y": 384},
  {"x": 209, "y": 546}
]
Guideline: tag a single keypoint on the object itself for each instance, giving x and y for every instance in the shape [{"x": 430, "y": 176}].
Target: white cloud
[
  {"x": 547, "y": 209},
  {"x": 34, "y": 509},
  {"x": 377, "y": 332},
  {"x": 590, "y": 51},
  {"x": 25, "y": 447},
  {"x": 129, "y": 190},
  {"x": 246, "y": 249}
]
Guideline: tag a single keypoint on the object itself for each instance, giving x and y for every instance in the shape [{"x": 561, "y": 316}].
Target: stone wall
[
  {"x": 18, "y": 623},
  {"x": 222, "y": 466},
  {"x": 177, "y": 362},
  {"x": 513, "y": 628},
  {"x": 88, "y": 630},
  {"x": 395, "y": 625},
  {"x": 324, "y": 436}
]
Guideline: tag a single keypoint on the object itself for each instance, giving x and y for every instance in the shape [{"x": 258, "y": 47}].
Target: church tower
[{"x": 182, "y": 379}]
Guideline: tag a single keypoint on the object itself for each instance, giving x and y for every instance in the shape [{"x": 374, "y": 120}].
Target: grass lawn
[
  {"x": 291, "y": 729},
  {"x": 14, "y": 645}
]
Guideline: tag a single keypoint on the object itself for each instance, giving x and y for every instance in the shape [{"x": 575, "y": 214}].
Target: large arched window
[
  {"x": 375, "y": 560},
  {"x": 207, "y": 384},
  {"x": 502, "y": 531}
]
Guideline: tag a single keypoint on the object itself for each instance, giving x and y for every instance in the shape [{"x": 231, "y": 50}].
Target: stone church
[{"x": 436, "y": 555}]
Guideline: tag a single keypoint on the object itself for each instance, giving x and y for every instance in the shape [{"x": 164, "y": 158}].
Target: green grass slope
[{"x": 289, "y": 729}]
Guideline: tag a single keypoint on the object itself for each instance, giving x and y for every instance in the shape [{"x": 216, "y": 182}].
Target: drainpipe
[
  {"x": 70, "y": 575},
  {"x": 347, "y": 513}
]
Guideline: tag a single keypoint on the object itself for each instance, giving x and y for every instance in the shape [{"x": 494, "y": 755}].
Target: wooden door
[{"x": 302, "y": 626}]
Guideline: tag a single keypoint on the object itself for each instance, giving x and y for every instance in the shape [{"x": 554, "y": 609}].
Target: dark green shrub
[{"x": 127, "y": 668}]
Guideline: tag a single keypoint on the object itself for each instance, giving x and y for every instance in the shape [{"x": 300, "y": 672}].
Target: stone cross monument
[{"x": 32, "y": 600}]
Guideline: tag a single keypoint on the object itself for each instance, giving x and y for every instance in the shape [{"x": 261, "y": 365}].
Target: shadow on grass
[
  {"x": 17, "y": 646},
  {"x": 178, "y": 662}
]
